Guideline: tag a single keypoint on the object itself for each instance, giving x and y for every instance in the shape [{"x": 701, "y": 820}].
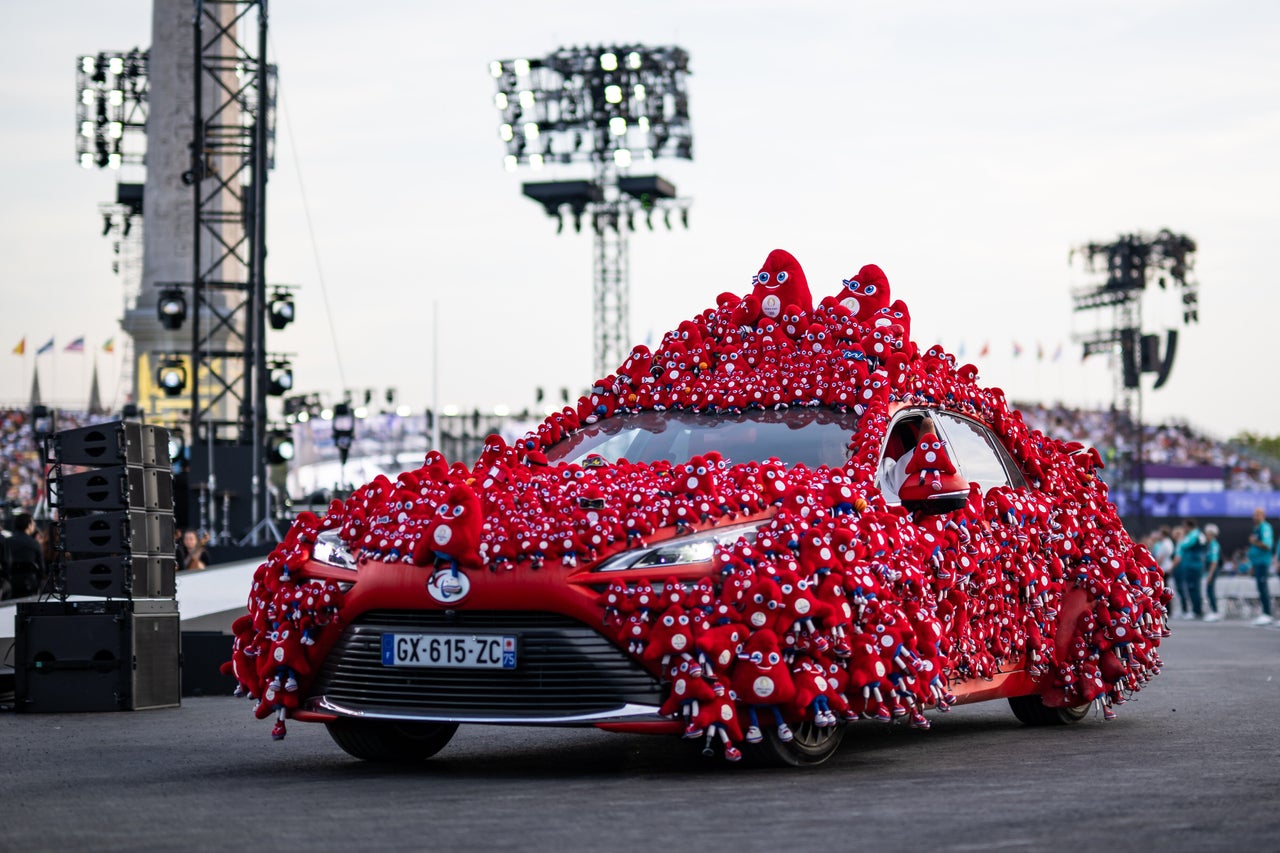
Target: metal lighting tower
[
  {"x": 1129, "y": 264},
  {"x": 613, "y": 107}
]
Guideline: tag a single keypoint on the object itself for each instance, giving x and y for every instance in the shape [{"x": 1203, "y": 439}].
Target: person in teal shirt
[
  {"x": 1212, "y": 562},
  {"x": 1188, "y": 572},
  {"x": 1261, "y": 544}
]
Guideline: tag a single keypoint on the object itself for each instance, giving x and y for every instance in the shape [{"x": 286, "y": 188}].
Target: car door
[{"x": 975, "y": 450}]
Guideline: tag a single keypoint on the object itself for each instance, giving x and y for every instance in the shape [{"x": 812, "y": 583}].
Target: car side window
[
  {"x": 977, "y": 453},
  {"x": 902, "y": 438}
]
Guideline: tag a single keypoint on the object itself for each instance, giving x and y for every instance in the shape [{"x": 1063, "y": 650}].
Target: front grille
[{"x": 563, "y": 669}]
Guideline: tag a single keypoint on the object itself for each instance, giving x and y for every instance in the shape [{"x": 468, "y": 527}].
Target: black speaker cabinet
[
  {"x": 115, "y": 488},
  {"x": 122, "y": 576},
  {"x": 114, "y": 443},
  {"x": 119, "y": 532},
  {"x": 106, "y": 533},
  {"x": 97, "y": 656},
  {"x": 155, "y": 447}
]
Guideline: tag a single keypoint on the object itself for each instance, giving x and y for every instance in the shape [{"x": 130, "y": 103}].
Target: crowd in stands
[
  {"x": 1165, "y": 443},
  {"x": 21, "y": 467}
]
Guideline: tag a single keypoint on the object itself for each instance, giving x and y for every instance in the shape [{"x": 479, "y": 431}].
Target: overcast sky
[{"x": 965, "y": 148}]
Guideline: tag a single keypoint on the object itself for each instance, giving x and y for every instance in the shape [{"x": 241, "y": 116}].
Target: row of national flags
[
  {"x": 108, "y": 346},
  {"x": 1017, "y": 350}
]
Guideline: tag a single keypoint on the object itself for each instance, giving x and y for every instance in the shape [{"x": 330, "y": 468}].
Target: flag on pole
[
  {"x": 1057, "y": 353},
  {"x": 109, "y": 346},
  {"x": 1039, "y": 351},
  {"x": 46, "y": 348},
  {"x": 1017, "y": 349},
  {"x": 75, "y": 346},
  {"x": 21, "y": 348},
  {"x": 986, "y": 348}
]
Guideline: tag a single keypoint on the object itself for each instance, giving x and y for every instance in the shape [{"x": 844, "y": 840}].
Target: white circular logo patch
[
  {"x": 443, "y": 534},
  {"x": 762, "y": 686},
  {"x": 446, "y": 587},
  {"x": 771, "y": 305}
]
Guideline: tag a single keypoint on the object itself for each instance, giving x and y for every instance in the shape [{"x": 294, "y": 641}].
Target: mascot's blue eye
[
  {"x": 782, "y": 277},
  {"x": 870, "y": 290},
  {"x": 763, "y": 277}
]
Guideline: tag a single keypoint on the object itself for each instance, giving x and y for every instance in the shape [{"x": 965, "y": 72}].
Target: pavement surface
[{"x": 1192, "y": 763}]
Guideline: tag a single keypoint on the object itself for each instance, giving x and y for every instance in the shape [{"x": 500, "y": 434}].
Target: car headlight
[
  {"x": 681, "y": 550},
  {"x": 332, "y": 551}
]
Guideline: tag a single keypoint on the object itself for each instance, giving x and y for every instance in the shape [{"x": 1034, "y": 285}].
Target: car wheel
[
  {"x": 1031, "y": 711},
  {"x": 390, "y": 740},
  {"x": 809, "y": 745}
]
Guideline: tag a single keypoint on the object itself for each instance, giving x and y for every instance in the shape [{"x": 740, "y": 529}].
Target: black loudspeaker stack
[{"x": 112, "y": 488}]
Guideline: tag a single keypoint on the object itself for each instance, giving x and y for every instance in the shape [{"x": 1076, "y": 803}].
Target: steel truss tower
[
  {"x": 612, "y": 107},
  {"x": 234, "y": 97},
  {"x": 1129, "y": 264}
]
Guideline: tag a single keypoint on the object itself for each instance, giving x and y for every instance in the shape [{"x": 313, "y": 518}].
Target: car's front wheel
[
  {"x": 809, "y": 745},
  {"x": 390, "y": 740},
  {"x": 1031, "y": 711}
]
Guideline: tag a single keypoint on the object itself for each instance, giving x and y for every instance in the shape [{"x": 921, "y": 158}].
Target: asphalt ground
[{"x": 1192, "y": 763}]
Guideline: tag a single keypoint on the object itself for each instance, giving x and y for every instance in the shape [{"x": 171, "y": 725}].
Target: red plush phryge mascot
[
  {"x": 865, "y": 293},
  {"x": 762, "y": 680},
  {"x": 930, "y": 470},
  {"x": 453, "y": 535},
  {"x": 780, "y": 283}
]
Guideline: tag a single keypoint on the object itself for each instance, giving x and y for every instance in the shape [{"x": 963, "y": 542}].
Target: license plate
[{"x": 467, "y": 651}]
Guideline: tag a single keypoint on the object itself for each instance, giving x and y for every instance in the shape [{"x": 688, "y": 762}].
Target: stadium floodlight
[
  {"x": 560, "y": 106},
  {"x": 112, "y": 94},
  {"x": 612, "y": 107}
]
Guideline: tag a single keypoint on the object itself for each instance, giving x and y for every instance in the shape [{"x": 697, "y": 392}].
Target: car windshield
[{"x": 812, "y": 436}]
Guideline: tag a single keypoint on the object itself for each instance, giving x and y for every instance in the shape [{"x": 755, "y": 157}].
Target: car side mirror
[{"x": 940, "y": 504}]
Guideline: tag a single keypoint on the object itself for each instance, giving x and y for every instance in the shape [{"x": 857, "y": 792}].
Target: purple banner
[
  {"x": 1185, "y": 472},
  {"x": 1201, "y": 504}
]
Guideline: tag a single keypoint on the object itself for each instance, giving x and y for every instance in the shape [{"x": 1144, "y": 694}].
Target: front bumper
[{"x": 567, "y": 674}]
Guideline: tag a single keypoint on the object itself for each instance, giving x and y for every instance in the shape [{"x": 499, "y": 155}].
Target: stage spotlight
[
  {"x": 279, "y": 447},
  {"x": 171, "y": 376},
  {"x": 279, "y": 378},
  {"x": 344, "y": 429},
  {"x": 280, "y": 311},
  {"x": 171, "y": 307},
  {"x": 42, "y": 424}
]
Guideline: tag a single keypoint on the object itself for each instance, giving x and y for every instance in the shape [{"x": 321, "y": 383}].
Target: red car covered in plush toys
[{"x": 784, "y": 519}]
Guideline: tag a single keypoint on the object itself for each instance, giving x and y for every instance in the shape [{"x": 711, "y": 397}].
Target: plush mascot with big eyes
[{"x": 780, "y": 283}]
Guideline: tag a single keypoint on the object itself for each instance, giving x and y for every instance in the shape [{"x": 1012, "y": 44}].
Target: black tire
[
  {"x": 810, "y": 745},
  {"x": 1031, "y": 711},
  {"x": 390, "y": 741}
]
